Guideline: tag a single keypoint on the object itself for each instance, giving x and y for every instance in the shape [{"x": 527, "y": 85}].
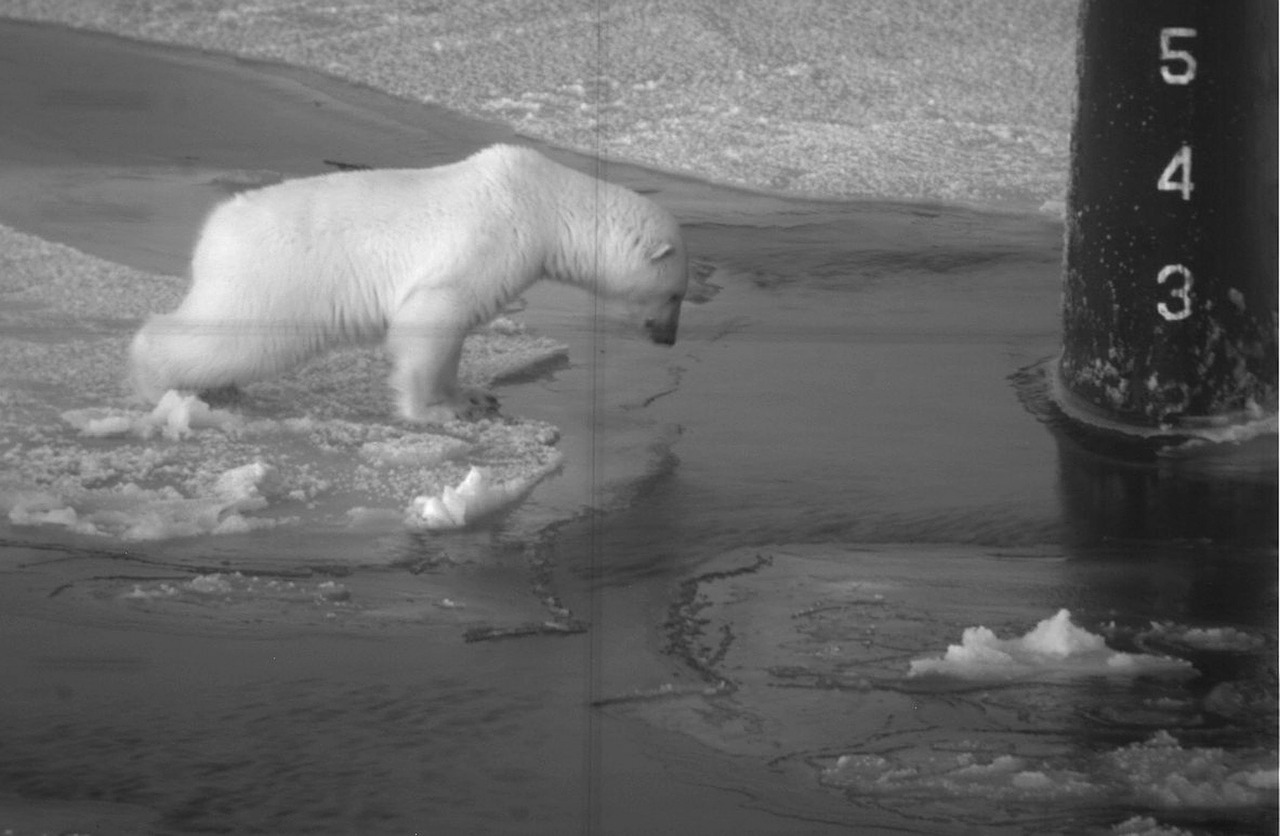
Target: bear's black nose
[{"x": 663, "y": 333}]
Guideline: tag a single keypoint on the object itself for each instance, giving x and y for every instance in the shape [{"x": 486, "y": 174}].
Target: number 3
[
  {"x": 1182, "y": 294},
  {"x": 1167, "y": 53}
]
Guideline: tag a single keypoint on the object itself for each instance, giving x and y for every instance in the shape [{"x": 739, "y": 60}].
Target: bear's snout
[
  {"x": 660, "y": 334},
  {"x": 662, "y": 329},
  {"x": 663, "y": 320}
]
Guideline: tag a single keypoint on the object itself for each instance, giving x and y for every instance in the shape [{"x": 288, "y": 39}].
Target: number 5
[{"x": 1168, "y": 54}]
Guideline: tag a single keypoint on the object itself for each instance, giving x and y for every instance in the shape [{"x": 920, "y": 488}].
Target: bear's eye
[{"x": 675, "y": 297}]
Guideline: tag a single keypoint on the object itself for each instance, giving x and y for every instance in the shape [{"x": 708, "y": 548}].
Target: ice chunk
[
  {"x": 1162, "y": 773},
  {"x": 242, "y": 487},
  {"x": 103, "y": 423},
  {"x": 477, "y": 496},
  {"x": 215, "y": 584},
  {"x": 1220, "y": 639},
  {"x": 132, "y": 512},
  {"x": 1146, "y": 826},
  {"x": 175, "y": 417},
  {"x": 1055, "y": 646},
  {"x": 47, "y": 509}
]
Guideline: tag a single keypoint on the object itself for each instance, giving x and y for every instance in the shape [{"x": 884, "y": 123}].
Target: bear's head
[
  {"x": 623, "y": 247},
  {"x": 659, "y": 312}
]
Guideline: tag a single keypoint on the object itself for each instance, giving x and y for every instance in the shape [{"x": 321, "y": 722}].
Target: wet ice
[{"x": 1053, "y": 648}]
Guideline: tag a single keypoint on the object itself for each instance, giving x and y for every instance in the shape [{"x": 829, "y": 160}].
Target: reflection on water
[{"x": 845, "y": 463}]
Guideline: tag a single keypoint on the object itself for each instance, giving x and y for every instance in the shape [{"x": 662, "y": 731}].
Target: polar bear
[{"x": 415, "y": 257}]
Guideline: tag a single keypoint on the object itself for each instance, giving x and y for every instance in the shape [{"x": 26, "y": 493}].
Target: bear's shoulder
[
  {"x": 503, "y": 154},
  {"x": 514, "y": 161}
]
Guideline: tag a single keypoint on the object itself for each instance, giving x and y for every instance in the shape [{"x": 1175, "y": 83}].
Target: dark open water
[{"x": 848, "y": 459}]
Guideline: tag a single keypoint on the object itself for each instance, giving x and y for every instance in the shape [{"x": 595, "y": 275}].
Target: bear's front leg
[{"x": 425, "y": 343}]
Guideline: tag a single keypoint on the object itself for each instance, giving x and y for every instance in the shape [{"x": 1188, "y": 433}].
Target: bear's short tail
[{"x": 145, "y": 377}]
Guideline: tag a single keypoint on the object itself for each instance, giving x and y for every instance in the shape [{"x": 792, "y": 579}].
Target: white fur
[{"x": 416, "y": 256}]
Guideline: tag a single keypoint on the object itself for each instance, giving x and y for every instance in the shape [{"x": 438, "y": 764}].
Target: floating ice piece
[
  {"x": 1158, "y": 773},
  {"x": 1221, "y": 639},
  {"x": 243, "y": 487},
  {"x": 1146, "y": 826},
  {"x": 477, "y": 496},
  {"x": 1055, "y": 647},
  {"x": 175, "y": 417},
  {"x": 43, "y": 508},
  {"x": 236, "y": 587},
  {"x": 950, "y": 775},
  {"x": 103, "y": 423},
  {"x": 1162, "y": 773}
]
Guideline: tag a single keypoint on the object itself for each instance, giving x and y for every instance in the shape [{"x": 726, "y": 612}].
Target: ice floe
[{"x": 1055, "y": 647}]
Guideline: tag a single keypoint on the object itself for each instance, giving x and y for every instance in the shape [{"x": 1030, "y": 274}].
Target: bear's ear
[{"x": 662, "y": 250}]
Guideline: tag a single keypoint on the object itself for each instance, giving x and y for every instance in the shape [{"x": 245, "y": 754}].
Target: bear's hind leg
[
  {"x": 426, "y": 348},
  {"x": 173, "y": 352}
]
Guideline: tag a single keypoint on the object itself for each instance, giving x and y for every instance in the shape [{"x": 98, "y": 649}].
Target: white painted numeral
[
  {"x": 1187, "y": 71},
  {"x": 1182, "y": 293},
  {"x": 1177, "y": 66},
  {"x": 1181, "y": 163}
]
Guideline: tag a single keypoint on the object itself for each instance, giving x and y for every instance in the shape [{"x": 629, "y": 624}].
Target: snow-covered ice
[{"x": 1055, "y": 647}]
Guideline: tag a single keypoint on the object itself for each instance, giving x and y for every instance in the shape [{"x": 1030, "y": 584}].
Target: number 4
[
  {"x": 1181, "y": 162},
  {"x": 1167, "y": 53}
]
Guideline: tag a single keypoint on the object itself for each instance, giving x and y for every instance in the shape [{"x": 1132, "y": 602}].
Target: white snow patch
[{"x": 1055, "y": 646}]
